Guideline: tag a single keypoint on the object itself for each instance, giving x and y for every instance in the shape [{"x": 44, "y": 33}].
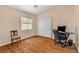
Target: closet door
[{"x": 44, "y": 27}]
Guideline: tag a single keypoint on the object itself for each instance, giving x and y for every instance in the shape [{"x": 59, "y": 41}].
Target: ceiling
[{"x": 33, "y": 9}]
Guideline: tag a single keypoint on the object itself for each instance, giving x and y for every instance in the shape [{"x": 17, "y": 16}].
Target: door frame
[{"x": 51, "y": 22}]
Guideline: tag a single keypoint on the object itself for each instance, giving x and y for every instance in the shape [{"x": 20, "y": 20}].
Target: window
[{"x": 26, "y": 23}]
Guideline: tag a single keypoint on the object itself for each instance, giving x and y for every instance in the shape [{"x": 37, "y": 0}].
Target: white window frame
[{"x": 26, "y": 26}]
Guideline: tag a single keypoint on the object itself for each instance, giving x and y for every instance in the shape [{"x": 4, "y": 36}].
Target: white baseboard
[
  {"x": 9, "y": 42},
  {"x": 5, "y": 44}
]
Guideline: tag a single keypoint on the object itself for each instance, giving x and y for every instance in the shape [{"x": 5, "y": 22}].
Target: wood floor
[{"x": 36, "y": 45}]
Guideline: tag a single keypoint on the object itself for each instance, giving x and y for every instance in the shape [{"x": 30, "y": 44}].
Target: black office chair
[{"x": 60, "y": 37}]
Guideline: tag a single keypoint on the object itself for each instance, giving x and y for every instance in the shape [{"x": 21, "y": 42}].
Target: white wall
[
  {"x": 10, "y": 20},
  {"x": 76, "y": 21}
]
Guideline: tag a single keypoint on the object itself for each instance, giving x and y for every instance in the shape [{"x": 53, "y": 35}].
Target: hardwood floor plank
[{"x": 36, "y": 44}]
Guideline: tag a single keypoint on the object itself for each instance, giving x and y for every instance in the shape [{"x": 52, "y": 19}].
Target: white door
[{"x": 44, "y": 27}]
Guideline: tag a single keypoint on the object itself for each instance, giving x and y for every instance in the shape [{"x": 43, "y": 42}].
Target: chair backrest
[{"x": 13, "y": 33}]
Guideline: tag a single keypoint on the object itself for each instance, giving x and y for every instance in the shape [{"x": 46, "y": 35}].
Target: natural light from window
[{"x": 26, "y": 23}]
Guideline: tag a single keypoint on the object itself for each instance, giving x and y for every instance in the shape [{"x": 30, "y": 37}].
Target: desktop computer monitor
[{"x": 61, "y": 28}]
